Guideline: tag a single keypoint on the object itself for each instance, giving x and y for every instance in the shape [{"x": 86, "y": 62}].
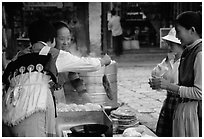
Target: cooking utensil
[
  {"x": 106, "y": 85},
  {"x": 88, "y": 130}
]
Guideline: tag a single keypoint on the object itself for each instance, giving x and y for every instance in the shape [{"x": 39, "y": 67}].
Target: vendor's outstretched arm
[
  {"x": 65, "y": 61},
  {"x": 68, "y": 62}
]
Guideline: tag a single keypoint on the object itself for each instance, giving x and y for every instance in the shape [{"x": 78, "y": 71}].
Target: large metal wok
[{"x": 88, "y": 130}]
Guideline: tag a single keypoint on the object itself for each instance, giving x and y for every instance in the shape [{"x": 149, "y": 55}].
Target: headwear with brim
[{"x": 172, "y": 36}]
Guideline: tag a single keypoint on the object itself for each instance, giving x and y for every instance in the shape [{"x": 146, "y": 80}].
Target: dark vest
[{"x": 186, "y": 71}]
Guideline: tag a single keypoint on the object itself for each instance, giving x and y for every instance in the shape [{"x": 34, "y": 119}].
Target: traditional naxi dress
[{"x": 28, "y": 106}]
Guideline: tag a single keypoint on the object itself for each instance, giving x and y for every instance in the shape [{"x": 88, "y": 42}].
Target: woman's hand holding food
[{"x": 159, "y": 83}]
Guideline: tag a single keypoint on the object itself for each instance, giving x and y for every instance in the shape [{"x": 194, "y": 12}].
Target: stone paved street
[{"x": 133, "y": 88}]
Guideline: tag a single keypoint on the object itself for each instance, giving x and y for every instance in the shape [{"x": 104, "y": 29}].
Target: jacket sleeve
[{"x": 68, "y": 62}]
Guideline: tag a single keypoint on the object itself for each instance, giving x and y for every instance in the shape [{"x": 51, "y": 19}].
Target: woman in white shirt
[
  {"x": 168, "y": 69},
  {"x": 28, "y": 107},
  {"x": 70, "y": 83}
]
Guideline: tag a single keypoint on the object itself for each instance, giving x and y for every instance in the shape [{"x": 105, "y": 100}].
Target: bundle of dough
[
  {"x": 138, "y": 131},
  {"x": 62, "y": 107},
  {"x": 133, "y": 132}
]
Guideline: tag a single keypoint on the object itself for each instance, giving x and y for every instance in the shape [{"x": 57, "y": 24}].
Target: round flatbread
[{"x": 123, "y": 113}]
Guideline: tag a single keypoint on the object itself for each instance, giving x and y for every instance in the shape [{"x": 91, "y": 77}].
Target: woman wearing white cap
[{"x": 168, "y": 70}]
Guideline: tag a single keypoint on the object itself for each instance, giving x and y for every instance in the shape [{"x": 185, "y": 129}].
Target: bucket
[
  {"x": 126, "y": 45},
  {"x": 135, "y": 44},
  {"x": 94, "y": 85}
]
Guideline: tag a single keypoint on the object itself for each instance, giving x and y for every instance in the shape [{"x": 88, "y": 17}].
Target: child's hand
[
  {"x": 170, "y": 56},
  {"x": 159, "y": 83}
]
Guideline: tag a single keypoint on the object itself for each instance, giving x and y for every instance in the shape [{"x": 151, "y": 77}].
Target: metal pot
[{"x": 88, "y": 130}]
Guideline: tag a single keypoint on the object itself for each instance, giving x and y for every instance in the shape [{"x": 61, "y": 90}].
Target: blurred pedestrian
[
  {"x": 27, "y": 104},
  {"x": 168, "y": 69},
  {"x": 115, "y": 26}
]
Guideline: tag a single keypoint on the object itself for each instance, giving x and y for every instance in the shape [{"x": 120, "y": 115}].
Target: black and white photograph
[{"x": 101, "y": 68}]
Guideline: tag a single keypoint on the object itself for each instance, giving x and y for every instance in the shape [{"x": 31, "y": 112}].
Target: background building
[{"x": 89, "y": 21}]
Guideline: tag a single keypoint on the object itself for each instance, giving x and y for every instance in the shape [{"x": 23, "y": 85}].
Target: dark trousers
[
  {"x": 200, "y": 117},
  {"x": 117, "y": 45},
  {"x": 200, "y": 127}
]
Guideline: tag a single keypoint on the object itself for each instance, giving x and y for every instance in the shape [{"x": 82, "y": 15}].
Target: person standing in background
[{"x": 115, "y": 26}]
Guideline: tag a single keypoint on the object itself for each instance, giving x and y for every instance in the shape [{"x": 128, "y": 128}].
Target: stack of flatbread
[{"x": 125, "y": 116}]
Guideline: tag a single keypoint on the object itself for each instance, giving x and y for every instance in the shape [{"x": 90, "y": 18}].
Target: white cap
[{"x": 172, "y": 36}]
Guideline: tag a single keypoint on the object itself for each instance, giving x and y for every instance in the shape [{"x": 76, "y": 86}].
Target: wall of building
[
  {"x": 95, "y": 27},
  {"x": 82, "y": 27}
]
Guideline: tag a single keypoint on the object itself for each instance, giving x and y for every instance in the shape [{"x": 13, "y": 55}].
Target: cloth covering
[
  {"x": 28, "y": 107},
  {"x": 27, "y": 102},
  {"x": 165, "y": 121},
  {"x": 185, "y": 115}
]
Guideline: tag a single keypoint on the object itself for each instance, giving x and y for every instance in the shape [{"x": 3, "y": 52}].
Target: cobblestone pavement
[{"x": 133, "y": 88}]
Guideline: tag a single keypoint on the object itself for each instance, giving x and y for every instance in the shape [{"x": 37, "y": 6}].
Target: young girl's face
[
  {"x": 184, "y": 35},
  {"x": 173, "y": 47},
  {"x": 63, "y": 39}
]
